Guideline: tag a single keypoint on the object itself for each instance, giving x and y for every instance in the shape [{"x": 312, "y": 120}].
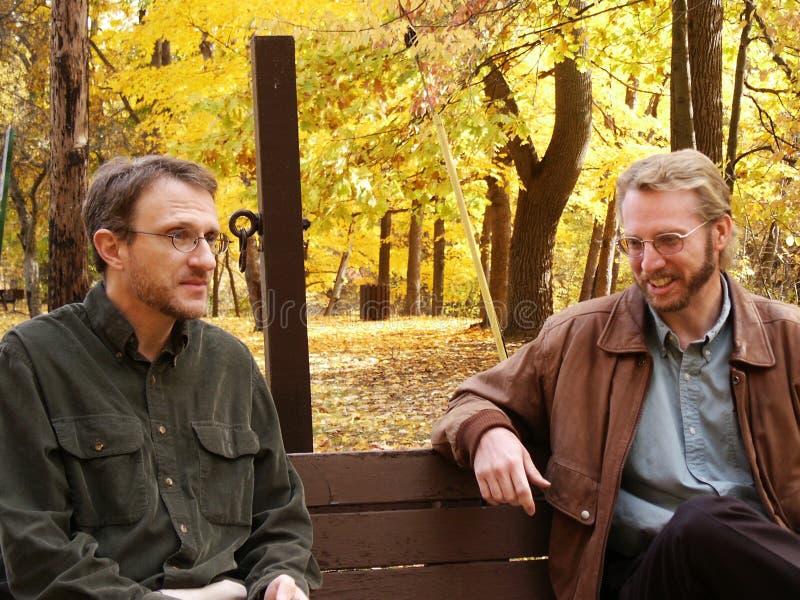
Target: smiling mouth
[{"x": 659, "y": 281}]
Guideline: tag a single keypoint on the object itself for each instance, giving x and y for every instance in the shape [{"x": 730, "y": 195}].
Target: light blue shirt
[{"x": 688, "y": 441}]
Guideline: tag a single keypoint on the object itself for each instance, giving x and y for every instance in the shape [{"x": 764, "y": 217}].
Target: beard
[
  {"x": 162, "y": 296},
  {"x": 694, "y": 283}
]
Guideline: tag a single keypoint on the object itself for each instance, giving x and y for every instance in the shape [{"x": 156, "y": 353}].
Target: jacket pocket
[
  {"x": 226, "y": 455},
  {"x": 104, "y": 463},
  {"x": 572, "y": 492}
]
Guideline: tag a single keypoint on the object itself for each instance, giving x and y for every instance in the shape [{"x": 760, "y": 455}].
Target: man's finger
[
  {"x": 534, "y": 476},
  {"x": 524, "y": 496}
]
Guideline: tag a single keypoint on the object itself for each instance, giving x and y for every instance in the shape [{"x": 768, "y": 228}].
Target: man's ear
[
  {"x": 110, "y": 247},
  {"x": 723, "y": 227}
]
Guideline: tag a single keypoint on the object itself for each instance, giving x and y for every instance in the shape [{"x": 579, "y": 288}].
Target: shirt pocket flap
[
  {"x": 99, "y": 436},
  {"x": 230, "y": 441},
  {"x": 572, "y": 492}
]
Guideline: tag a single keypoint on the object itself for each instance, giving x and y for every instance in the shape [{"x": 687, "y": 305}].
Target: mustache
[
  {"x": 198, "y": 276},
  {"x": 645, "y": 277}
]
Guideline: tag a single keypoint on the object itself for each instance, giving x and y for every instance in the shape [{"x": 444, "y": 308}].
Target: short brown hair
[
  {"x": 684, "y": 170},
  {"x": 119, "y": 183}
]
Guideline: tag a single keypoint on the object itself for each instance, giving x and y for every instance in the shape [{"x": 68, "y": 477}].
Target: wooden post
[{"x": 282, "y": 269}]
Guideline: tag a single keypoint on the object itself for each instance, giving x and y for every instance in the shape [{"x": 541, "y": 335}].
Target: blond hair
[{"x": 684, "y": 170}]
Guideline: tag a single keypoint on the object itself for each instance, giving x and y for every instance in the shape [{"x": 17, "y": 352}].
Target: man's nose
[
  {"x": 202, "y": 256},
  {"x": 651, "y": 258}
]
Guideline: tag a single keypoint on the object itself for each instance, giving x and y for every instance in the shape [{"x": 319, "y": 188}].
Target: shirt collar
[
  {"x": 664, "y": 333},
  {"x": 107, "y": 321}
]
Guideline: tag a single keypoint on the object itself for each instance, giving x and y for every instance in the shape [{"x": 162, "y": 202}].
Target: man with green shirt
[
  {"x": 667, "y": 413},
  {"x": 140, "y": 448}
]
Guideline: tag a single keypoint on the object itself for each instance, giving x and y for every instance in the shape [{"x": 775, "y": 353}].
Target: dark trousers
[{"x": 713, "y": 547}]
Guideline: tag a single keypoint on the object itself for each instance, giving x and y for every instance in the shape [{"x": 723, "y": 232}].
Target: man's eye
[
  {"x": 182, "y": 234},
  {"x": 634, "y": 244},
  {"x": 668, "y": 239},
  {"x": 211, "y": 237}
]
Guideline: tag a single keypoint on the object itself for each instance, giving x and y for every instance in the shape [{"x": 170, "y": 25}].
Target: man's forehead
[
  {"x": 177, "y": 202},
  {"x": 664, "y": 209}
]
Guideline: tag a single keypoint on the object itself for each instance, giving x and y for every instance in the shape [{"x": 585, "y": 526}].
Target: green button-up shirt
[{"x": 121, "y": 476}]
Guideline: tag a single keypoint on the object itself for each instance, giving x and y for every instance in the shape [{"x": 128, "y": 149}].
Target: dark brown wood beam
[{"x": 282, "y": 268}]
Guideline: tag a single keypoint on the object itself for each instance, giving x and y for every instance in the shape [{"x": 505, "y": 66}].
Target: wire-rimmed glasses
[
  {"x": 185, "y": 240},
  {"x": 664, "y": 243}
]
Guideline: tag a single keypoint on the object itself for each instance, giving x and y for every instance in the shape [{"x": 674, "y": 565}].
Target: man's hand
[
  {"x": 504, "y": 468},
  {"x": 284, "y": 587},
  {"x": 221, "y": 590}
]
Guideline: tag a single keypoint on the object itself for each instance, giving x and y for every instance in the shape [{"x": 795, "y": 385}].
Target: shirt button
[
  {"x": 692, "y": 430},
  {"x": 184, "y": 528},
  {"x": 585, "y": 515},
  {"x": 687, "y": 376},
  {"x": 169, "y": 482},
  {"x": 98, "y": 445},
  {"x": 118, "y": 355},
  {"x": 162, "y": 430},
  {"x": 153, "y": 380},
  {"x": 736, "y": 380}
]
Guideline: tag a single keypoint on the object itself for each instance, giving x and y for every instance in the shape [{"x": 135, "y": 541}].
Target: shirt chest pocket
[
  {"x": 226, "y": 454},
  {"x": 104, "y": 463}
]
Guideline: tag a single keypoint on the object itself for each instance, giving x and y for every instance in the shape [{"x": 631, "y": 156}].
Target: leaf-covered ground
[
  {"x": 375, "y": 385},
  {"x": 380, "y": 385}
]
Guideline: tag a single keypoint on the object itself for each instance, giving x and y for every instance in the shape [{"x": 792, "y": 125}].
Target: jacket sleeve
[
  {"x": 281, "y": 535},
  {"x": 43, "y": 557},
  {"x": 512, "y": 394}
]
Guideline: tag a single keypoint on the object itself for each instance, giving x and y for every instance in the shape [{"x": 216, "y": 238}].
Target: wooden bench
[
  {"x": 10, "y": 296},
  {"x": 409, "y": 525}
]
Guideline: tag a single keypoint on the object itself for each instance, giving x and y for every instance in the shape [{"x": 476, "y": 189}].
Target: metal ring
[{"x": 255, "y": 222}]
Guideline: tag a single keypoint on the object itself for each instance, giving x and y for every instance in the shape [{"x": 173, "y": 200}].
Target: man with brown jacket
[{"x": 669, "y": 413}]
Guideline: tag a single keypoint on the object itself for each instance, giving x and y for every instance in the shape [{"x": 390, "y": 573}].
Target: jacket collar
[
  {"x": 624, "y": 330},
  {"x": 750, "y": 342}
]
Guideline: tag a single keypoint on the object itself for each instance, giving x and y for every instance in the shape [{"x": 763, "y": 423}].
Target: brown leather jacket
[{"x": 585, "y": 419}]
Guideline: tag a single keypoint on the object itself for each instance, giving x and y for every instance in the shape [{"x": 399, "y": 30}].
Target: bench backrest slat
[
  {"x": 409, "y": 525},
  {"x": 467, "y": 581},
  {"x": 433, "y": 535},
  {"x": 375, "y": 477}
]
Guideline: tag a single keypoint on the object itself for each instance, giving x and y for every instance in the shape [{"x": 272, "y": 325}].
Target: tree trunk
[
  {"x": 589, "y": 270},
  {"x": 501, "y": 247},
  {"x": 736, "y": 101},
  {"x": 614, "y": 274},
  {"x": 680, "y": 116},
  {"x": 412, "y": 304},
  {"x": 545, "y": 186},
  {"x": 385, "y": 253},
  {"x": 215, "y": 288},
  {"x": 632, "y": 92},
  {"x": 28, "y": 217},
  {"x": 768, "y": 259},
  {"x": 705, "y": 60},
  {"x": 233, "y": 283},
  {"x": 69, "y": 162},
  {"x": 608, "y": 252},
  {"x": 437, "y": 302},
  {"x": 206, "y": 47},
  {"x": 336, "y": 292},
  {"x": 252, "y": 276},
  {"x": 162, "y": 55}
]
